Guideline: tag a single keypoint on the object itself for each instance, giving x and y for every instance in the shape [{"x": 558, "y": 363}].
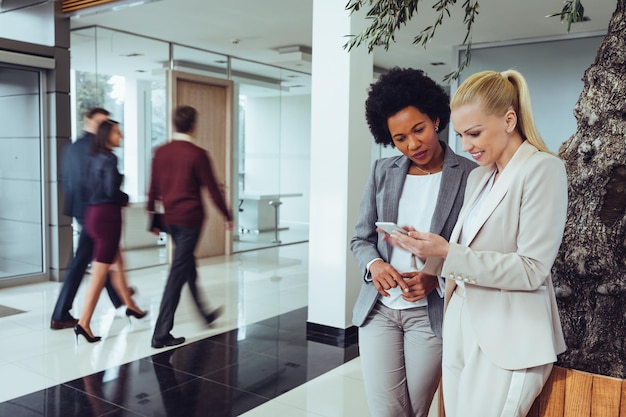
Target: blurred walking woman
[{"x": 103, "y": 222}]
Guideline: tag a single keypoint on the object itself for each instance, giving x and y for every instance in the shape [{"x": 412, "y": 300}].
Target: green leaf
[
  {"x": 572, "y": 12},
  {"x": 388, "y": 16}
]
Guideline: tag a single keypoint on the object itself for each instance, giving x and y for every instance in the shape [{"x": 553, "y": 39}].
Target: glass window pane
[
  {"x": 273, "y": 137},
  {"x": 125, "y": 74},
  {"x": 21, "y": 211},
  {"x": 271, "y": 123}
]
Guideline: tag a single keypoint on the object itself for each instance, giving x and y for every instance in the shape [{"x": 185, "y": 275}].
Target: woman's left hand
[{"x": 422, "y": 244}]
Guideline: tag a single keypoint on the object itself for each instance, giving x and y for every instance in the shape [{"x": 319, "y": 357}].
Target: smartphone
[{"x": 390, "y": 227}]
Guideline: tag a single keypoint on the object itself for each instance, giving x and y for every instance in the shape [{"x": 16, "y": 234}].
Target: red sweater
[{"x": 179, "y": 171}]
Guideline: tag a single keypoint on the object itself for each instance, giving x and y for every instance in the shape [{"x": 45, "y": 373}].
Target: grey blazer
[{"x": 380, "y": 203}]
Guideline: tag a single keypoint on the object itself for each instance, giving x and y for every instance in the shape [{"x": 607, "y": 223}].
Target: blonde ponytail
[{"x": 497, "y": 92}]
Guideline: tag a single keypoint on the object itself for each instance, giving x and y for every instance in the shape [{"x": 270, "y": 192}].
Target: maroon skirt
[{"x": 103, "y": 223}]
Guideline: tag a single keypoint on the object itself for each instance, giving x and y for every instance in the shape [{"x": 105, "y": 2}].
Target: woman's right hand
[
  {"x": 421, "y": 244},
  {"x": 385, "y": 276}
]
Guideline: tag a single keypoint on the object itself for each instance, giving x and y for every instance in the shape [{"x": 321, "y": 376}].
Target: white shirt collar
[{"x": 182, "y": 136}]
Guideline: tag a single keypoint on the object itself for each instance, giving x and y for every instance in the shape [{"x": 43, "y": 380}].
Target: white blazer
[{"x": 506, "y": 266}]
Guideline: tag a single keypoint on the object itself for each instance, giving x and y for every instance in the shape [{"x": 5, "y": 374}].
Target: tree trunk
[{"x": 590, "y": 269}]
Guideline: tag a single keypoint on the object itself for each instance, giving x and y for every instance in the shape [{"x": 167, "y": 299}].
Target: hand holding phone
[{"x": 390, "y": 227}]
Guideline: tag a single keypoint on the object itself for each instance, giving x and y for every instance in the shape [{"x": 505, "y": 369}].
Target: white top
[
  {"x": 416, "y": 208},
  {"x": 470, "y": 227},
  {"x": 182, "y": 136}
]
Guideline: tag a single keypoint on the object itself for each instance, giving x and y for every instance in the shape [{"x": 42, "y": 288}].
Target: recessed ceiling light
[
  {"x": 438, "y": 63},
  {"x": 131, "y": 55}
]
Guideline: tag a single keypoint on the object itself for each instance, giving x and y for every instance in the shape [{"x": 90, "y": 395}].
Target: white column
[{"x": 340, "y": 161}]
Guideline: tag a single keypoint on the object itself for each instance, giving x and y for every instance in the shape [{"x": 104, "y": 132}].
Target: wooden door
[{"x": 212, "y": 98}]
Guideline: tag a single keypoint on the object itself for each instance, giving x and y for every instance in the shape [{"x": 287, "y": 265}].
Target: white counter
[{"x": 261, "y": 212}]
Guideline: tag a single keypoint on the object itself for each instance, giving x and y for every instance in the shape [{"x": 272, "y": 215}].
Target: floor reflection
[{"x": 224, "y": 375}]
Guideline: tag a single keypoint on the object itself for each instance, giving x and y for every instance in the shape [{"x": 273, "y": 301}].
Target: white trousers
[
  {"x": 472, "y": 385},
  {"x": 401, "y": 361}
]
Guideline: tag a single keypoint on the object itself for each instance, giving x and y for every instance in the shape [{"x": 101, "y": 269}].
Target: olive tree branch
[{"x": 388, "y": 16}]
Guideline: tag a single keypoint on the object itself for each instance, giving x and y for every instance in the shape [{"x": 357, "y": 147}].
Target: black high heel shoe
[
  {"x": 78, "y": 330},
  {"x": 132, "y": 313}
]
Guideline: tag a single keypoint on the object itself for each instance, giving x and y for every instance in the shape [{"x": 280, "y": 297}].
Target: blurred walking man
[
  {"x": 74, "y": 206},
  {"x": 180, "y": 170}
]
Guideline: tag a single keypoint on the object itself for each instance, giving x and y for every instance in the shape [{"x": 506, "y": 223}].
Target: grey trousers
[
  {"x": 472, "y": 385},
  {"x": 401, "y": 361}
]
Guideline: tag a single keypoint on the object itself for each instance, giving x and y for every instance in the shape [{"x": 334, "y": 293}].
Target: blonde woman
[{"x": 501, "y": 329}]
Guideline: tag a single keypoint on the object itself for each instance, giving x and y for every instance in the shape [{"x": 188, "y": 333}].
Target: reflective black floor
[{"x": 225, "y": 375}]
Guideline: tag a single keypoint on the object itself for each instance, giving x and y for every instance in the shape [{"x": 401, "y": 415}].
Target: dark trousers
[
  {"x": 74, "y": 276},
  {"x": 183, "y": 270}
]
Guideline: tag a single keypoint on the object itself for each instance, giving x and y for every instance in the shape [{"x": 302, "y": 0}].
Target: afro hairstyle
[{"x": 398, "y": 89}]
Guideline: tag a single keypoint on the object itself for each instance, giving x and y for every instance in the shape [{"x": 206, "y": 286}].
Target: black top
[
  {"x": 74, "y": 161},
  {"x": 102, "y": 181}
]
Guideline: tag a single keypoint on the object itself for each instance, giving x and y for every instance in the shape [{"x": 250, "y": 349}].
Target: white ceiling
[{"x": 253, "y": 29}]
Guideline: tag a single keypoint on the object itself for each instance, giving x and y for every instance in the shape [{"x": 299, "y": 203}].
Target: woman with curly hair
[{"x": 399, "y": 309}]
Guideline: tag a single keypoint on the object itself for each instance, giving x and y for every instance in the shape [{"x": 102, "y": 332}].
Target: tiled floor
[{"x": 254, "y": 361}]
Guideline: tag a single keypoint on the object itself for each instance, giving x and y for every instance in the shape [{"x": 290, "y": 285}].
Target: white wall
[{"x": 553, "y": 70}]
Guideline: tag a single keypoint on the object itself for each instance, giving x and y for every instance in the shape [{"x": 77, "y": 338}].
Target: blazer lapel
[
  {"x": 450, "y": 180},
  {"x": 397, "y": 177},
  {"x": 456, "y": 232},
  {"x": 500, "y": 187}
]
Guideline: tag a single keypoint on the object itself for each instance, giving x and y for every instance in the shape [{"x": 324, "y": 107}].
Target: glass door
[{"x": 21, "y": 182}]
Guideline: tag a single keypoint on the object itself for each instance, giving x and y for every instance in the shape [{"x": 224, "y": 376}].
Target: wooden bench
[{"x": 571, "y": 393}]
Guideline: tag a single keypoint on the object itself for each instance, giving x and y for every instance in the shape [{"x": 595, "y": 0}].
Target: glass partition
[
  {"x": 272, "y": 167},
  {"x": 125, "y": 73},
  {"x": 21, "y": 178}
]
